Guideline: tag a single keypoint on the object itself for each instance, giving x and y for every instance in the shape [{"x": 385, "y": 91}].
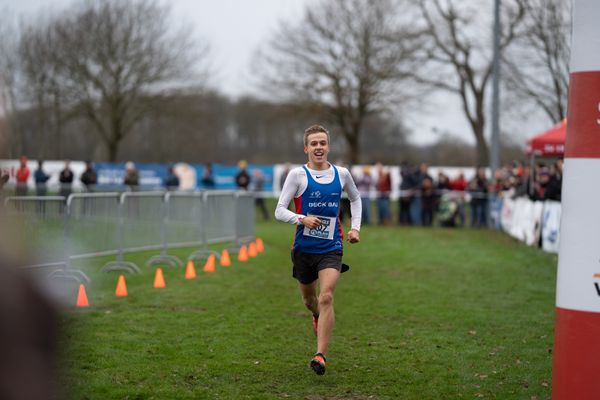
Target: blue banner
[
  {"x": 112, "y": 174},
  {"x": 154, "y": 175},
  {"x": 224, "y": 176}
]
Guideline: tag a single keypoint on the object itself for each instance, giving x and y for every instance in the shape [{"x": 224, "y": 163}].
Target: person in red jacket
[
  {"x": 22, "y": 177},
  {"x": 384, "y": 188},
  {"x": 459, "y": 185}
]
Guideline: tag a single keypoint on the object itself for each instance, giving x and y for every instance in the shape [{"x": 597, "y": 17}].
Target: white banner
[{"x": 551, "y": 226}]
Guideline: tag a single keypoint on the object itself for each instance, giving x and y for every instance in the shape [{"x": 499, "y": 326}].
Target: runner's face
[{"x": 317, "y": 147}]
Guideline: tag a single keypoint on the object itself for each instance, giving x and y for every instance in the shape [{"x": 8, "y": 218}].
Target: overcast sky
[{"x": 235, "y": 28}]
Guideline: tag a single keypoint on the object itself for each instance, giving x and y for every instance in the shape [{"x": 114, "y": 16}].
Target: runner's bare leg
[
  {"x": 309, "y": 296},
  {"x": 328, "y": 278}
]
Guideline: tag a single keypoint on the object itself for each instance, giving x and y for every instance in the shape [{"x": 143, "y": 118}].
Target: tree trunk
[
  {"x": 116, "y": 133},
  {"x": 113, "y": 148},
  {"x": 482, "y": 149},
  {"x": 353, "y": 149}
]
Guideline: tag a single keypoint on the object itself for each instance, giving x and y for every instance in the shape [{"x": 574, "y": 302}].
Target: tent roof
[{"x": 550, "y": 143}]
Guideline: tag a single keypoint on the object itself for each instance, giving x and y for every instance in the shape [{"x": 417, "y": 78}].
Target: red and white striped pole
[{"x": 576, "y": 366}]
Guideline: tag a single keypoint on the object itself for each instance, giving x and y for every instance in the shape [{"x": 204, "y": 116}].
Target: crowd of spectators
[
  {"x": 66, "y": 177},
  {"x": 424, "y": 200}
]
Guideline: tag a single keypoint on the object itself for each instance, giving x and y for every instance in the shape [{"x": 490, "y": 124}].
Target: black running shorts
[{"x": 306, "y": 266}]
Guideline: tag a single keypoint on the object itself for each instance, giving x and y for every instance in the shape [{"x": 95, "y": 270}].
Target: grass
[{"x": 422, "y": 314}]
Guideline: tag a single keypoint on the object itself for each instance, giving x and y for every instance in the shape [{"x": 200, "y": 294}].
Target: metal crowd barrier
[
  {"x": 245, "y": 217},
  {"x": 43, "y": 223},
  {"x": 89, "y": 225},
  {"x": 97, "y": 213}
]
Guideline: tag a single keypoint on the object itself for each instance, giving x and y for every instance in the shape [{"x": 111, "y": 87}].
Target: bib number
[{"x": 323, "y": 231}]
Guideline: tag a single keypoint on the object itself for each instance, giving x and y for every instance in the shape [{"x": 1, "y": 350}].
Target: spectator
[
  {"x": 384, "y": 187},
  {"x": 442, "y": 186},
  {"x": 89, "y": 178},
  {"x": 66, "y": 180},
  {"x": 517, "y": 169},
  {"x": 171, "y": 181},
  {"x": 258, "y": 185},
  {"x": 407, "y": 194},
  {"x": 554, "y": 186},
  {"x": 284, "y": 174},
  {"x": 416, "y": 206},
  {"x": 3, "y": 179},
  {"x": 458, "y": 186},
  {"x": 460, "y": 183},
  {"x": 40, "y": 178},
  {"x": 364, "y": 188},
  {"x": 478, "y": 187},
  {"x": 132, "y": 176},
  {"x": 524, "y": 184},
  {"x": 443, "y": 183},
  {"x": 242, "y": 179},
  {"x": 208, "y": 180},
  {"x": 428, "y": 201},
  {"x": 22, "y": 177},
  {"x": 449, "y": 209},
  {"x": 500, "y": 182},
  {"x": 541, "y": 181},
  {"x": 498, "y": 188}
]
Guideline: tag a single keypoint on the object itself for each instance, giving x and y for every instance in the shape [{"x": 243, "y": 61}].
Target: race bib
[{"x": 323, "y": 231}]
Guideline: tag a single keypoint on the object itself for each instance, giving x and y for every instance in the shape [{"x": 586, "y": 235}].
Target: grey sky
[{"x": 235, "y": 28}]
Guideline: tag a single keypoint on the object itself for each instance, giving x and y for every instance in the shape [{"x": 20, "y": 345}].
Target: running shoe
[
  {"x": 315, "y": 324},
  {"x": 318, "y": 364}
]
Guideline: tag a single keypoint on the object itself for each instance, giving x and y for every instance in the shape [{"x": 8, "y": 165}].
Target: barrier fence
[
  {"x": 533, "y": 222},
  {"x": 87, "y": 225}
]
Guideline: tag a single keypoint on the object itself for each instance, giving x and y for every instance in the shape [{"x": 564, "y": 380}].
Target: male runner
[{"x": 316, "y": 188}]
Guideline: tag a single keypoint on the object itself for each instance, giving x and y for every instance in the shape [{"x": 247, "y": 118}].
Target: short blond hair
[{"x": 311, "y": 130}]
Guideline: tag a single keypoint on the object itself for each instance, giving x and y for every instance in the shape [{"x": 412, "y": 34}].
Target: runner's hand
[
  {"x": 310, "y": 222},
  {"x": 353, "y": 236}
]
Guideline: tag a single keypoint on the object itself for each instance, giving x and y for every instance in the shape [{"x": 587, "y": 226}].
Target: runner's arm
[
  {"x": 354, "y": 197},
  {"x": 288, "y": 192}
]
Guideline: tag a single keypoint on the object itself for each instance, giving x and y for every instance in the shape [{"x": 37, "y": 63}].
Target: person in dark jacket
[
  {"x": 132, "y": 176},
  {"x": 40, "y": 178},
  {"x": 407, "y": 194},
  {"x": 89, "y": 178},
  {"x": 242, "y": 178},
  {"x": 478, "y": 188},
  {"x": 66, "y": 180},
  {"x": 208, "y": 179},
  {"x": 172, "y": 180}
]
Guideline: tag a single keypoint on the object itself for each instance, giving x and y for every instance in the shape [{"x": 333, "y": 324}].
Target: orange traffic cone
[
  {"x": 82, "y": 300},
  {"x": 190, "y": 270},
  {"x": 121, "y": 287},
  {"x": 252, "y": 250},
  {"x": 210, "y": 264},
  {"x": 225, "y": 261},
  {"x": 260, "y": 246},
  {"x": 243, "y": 255},
  {"x": 159, "y": 279}
]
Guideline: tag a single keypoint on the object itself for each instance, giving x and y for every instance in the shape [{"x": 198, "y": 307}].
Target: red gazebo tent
[{"x": 550, "y": 143}]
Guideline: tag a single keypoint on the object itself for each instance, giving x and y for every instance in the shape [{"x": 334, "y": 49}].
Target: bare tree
[
  {"x": 537, "y": 66},
  {"x": 10, "y": 135},
  {"x": 344, "y": 59},
  {"x": 41, "y": 88},
  {"x": 111, "y": 55},
  {"x": 456, "y": 55}
]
